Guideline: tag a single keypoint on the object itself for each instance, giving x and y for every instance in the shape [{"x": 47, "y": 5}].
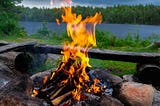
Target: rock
[
  {"x": 8, "y": 59},
  {"x": 135, "y": 94},
  {"x": 130, "y": 78},
  {"x": 104, "y": 100},
  {"x": 109, "y": 101},
  {"x": 6, "y": 75},
  {"x": 19, "y": 99},
  {"x": 16, "y": 89},
  {"x": 156, "y": 98},
  {"x": 105, "y": 76},
  {"x": 39, "y": 77}
]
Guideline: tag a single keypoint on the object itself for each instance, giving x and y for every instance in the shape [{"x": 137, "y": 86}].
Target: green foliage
[
  {"x": 43, "y": 31},
  {"x": 9, "y": 18},
  {"x": 107, "y": 39}
]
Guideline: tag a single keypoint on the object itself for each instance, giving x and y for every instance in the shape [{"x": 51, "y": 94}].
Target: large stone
[
  {"x": 39, "y": 77},
  {"x": 106, "y": 77},
  {"x": 19, "y": 99},
  {"x": 156, "y": 98},
  {"x": 130, "y": 78},
  {"x": 8, "y": 59},
  {"x": 6, "y": 75},
  {"x": 136, "y": 94},
  {"x": 16, "y": 89},
  {"x": 104, "y": 100},
  {"x": 109, "y": 101}
]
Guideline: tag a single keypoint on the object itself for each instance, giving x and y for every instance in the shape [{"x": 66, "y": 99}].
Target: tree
[{"x": 9, "y": 18}]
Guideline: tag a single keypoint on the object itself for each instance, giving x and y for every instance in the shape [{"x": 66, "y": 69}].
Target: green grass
[
  {"x": 105, "y": 40},
  {"x": 116, "y": 67}
]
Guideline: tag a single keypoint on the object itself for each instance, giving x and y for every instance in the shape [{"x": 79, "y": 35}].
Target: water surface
[{"x": 119, "y": 30}]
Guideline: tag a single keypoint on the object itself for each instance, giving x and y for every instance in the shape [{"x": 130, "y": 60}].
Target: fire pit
[{"x": 74, "y": 83}]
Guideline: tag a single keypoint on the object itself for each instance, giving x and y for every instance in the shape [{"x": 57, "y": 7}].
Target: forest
[{"x": 138, "y": 14}]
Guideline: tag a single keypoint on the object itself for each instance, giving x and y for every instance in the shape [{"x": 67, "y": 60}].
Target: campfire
[{"x": 71, "y": 79}]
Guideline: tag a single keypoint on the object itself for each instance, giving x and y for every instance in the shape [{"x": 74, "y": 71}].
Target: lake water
[{"x": 119, "y": 30}]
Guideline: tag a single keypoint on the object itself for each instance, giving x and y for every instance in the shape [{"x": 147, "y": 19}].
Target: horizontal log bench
[
  {"x": 135, "y": 57},
  {"x": 147, "y": 63}
]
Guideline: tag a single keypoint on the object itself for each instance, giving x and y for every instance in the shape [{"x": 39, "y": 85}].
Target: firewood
[
  {"x": 56, "y": 93},
  {"x": 57, "y": 100}
]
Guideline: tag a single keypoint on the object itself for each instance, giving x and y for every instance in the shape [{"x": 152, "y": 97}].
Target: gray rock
[
  {"x": 130, "y": 78},
  {"x": 16, "y": 89},
  {"x": 110, "y": 101},
  {"x": 156, "y": 98},
  {"x": 105, "y": 76}
]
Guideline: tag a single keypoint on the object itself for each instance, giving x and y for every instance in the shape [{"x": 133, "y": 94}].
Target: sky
[{"x": 98, "y": 3}]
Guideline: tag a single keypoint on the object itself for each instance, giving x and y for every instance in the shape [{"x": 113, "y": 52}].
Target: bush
[
  {"x": 44, "y": 31},
  {"x": 107, "y": 39}
]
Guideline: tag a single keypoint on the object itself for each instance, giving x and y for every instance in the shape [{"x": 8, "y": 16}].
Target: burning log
[
  {"x": 56, "y": 93},
  {"x": 58, "y": 100}
]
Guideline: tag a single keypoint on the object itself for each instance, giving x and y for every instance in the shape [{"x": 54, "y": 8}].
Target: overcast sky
[{"x": 100, "y": 3}]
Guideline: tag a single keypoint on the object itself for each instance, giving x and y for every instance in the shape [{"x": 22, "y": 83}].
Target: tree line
[{"x": 138, "y": 14}]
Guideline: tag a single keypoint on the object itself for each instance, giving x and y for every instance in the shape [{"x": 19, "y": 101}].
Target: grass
[
  {"x": 105, "y": 40},
  {"x": 116, "y": 67}
]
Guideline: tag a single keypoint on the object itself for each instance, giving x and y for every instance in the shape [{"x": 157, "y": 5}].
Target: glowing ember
[{"x": 34, "y": 93}]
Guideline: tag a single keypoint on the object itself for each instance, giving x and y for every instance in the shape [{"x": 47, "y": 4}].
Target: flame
[
  {"x": 45, "y": 79},
  {"x": 82, "y": 32},
  {"x": 34, "y": 93},
  {"x": 58, "y": 22},
  {"x": 94, "y": 87}
]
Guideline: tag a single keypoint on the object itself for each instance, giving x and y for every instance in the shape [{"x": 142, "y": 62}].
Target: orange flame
[
  {"x": 82, "y": 33},
  {"x": 94, "y": 87},
  {"x": 34, "y": 93}
]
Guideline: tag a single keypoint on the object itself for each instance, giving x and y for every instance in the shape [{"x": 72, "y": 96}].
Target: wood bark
[
  {"x": 135, "y": 57},
  {"x": 14, "y": 46}
]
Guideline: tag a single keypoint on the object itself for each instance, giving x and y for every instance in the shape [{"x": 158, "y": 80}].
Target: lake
[{"x": 119, "y": 30}]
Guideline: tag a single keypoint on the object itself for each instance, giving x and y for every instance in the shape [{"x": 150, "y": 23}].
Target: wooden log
[
  {"x": 135, "y": 57},
  {"x": 23, "y": 62},
  {"x": 57, "y": 100},
  {"x": 2, "y": 43},
  {"x": 14, "y": 46},
  {"x": 149, "y": 74},
  {"x": 57, "y": 92}
]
